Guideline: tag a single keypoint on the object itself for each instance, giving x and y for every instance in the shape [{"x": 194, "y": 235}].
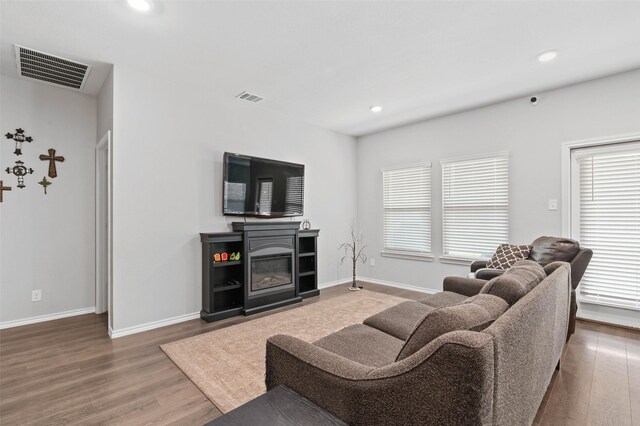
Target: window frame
[
  {"x": 462, "y": 259},
  {"x": 408, "y": 254},
  {"x": 575, "y": 155}
]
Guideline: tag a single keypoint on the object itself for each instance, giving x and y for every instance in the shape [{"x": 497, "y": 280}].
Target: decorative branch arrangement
[{"x": 354, "y": 251}]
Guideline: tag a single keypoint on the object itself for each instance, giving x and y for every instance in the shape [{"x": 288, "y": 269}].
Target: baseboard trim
[
  {"x": 628, "y": 323},
  {"x": 398, "y": 285},
  {"x": 114, "y": 334},
  {"x": 48, "y": 317},
  {"x": 334, "y": 283},
  {"x": 609, "y": 324}
]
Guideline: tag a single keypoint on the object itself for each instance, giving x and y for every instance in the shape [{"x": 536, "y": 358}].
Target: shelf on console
[
  {"x": 313, "y": 253},
  {"x": 226, "y": 288},
  {"x": 227, "y": 263},
  {"x": 304, "y": 274}
]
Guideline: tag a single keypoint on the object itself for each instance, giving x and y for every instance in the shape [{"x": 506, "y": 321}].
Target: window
[
  {"x": 475, "y": 206},
  {"x": 407, "y": 211},
  {"x": 294, "y": 196},
  {"x": 606, "y": 218},
  {"x": 265, "y": 196}
]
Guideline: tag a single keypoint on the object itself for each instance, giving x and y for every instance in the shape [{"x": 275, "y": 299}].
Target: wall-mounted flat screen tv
[{"x": 259, "y": 187}]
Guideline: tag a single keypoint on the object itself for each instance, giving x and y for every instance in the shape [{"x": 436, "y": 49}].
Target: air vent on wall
[
  {"x": 245, "y": 96},
  {"x": 51, "y": 69}
]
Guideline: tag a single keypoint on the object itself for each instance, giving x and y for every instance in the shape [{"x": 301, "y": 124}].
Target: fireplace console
[{"x": 277, "y": 267}]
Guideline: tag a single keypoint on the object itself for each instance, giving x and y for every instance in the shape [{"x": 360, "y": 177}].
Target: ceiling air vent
[
  {"x": 51, "y": 69},
  {"x": 249, "y": 97}
]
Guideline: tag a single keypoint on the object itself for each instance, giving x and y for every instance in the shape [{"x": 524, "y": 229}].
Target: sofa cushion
[
  {"x": 442, "y": 299},
  {"x": 399, "y": 320},
  {"x": 475, "y": 314},
  {"x": 553, "y": 249},
  {"x": 508, "y": 254},
  {"x": 516, "y": 282},
  {"x": 363, "y": 344}
]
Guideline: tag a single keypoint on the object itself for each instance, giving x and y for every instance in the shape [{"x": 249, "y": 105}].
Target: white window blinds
[
  {"x": 407, "y": 209},
  {"x": 609, "y": 221},
  {"x": 475, "y": 206}
]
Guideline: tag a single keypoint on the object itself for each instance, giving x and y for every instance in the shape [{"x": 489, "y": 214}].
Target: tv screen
[{"x": 262, "y": 188}]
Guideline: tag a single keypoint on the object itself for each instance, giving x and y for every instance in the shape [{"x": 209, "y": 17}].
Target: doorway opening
[{"x": 104, "y": 234}]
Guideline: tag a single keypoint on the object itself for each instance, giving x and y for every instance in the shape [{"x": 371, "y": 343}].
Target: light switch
[{"x": 553, "y": 204}]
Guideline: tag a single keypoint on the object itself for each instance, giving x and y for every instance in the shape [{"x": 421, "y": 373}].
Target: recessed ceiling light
[
  {"x": 376, "y": 108},
  {"x": 547, "y": 56},
  {"x": 140, "y": 5}
]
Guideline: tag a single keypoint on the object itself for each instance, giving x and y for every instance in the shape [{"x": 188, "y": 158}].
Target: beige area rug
[{"x": 228, "y": 365}]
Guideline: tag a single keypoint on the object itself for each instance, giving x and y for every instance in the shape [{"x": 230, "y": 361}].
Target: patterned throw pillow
[{"x": 508, "y": 254}]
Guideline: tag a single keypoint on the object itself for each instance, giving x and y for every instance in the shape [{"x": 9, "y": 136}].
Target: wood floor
[{"x": 69, "y": 372}]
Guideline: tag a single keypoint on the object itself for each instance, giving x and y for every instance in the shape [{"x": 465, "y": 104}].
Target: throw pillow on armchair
[{"x": 508, "y": 254}]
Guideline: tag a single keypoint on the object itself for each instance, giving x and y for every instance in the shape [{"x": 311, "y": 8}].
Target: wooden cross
[
  {"x": 51, "y": 158},
  {"x": 3, "y": 188}
]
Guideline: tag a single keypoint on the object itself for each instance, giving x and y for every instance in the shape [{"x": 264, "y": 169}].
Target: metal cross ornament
[
  {"x": 51, "y": 158},
  {"x": 19, "y": 137},
  {"x": 2, "y": 189},
  {"x": 20, "y": 171},
  {"x": 44, "y": 182}
]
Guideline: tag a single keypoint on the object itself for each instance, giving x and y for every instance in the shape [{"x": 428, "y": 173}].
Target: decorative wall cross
[
  {"x": 20, "y": 170},
  {"x": 19, "y": 137},
  {"x": 51, "y": 158},
  {"x": 44, "y": 182},
  {"x": 2, "y": 189}
]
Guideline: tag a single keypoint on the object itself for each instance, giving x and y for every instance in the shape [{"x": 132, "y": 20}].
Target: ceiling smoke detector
[
  {"x": 51, "y": 69},
  {"x": 246, "y": 96}
]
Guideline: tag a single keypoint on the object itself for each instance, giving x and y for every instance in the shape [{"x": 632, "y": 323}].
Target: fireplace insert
[
  {"x": 271, "y": 265},
  {"x": 271, "y": 271}
]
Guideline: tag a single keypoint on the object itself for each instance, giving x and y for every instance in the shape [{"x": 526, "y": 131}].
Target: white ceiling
[{"x": 326, "y": 62}]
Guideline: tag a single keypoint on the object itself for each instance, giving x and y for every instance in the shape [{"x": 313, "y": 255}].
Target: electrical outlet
[
  {"x": 553, "y": 204},
  {"x": 36, "y": 295},
  {"x": 372, "y": 262}
]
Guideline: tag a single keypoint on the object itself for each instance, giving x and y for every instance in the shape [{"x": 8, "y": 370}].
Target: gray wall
[
  {"x": 531, "y": 134},
  {"x": 105, "y": 106},
  {"x": 170, "y": 139},
  {"x": 47, "y": 240}
]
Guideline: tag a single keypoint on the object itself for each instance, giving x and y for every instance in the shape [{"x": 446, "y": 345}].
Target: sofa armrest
[
  {"x": 488, "y": 273},
  {"x": 448, "y": 381},
  {"x": 579, "y": 266},
  {"x": 462, "y": 285},
  {"x": 478, "y": 264}
]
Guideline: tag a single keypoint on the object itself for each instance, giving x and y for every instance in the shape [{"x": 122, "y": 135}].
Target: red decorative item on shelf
[{"x": 225, "y": 257}]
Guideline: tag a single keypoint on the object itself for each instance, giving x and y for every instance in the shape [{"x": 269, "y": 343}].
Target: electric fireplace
[{"x": 271, "y": 272}]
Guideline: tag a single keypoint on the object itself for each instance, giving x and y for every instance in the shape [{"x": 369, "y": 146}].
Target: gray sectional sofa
[
  {"x": 544, "y": 250},
  {"x": 445, "y": 359}
]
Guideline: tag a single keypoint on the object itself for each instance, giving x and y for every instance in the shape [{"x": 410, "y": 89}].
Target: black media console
[{"x": 277, "y": 267}]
